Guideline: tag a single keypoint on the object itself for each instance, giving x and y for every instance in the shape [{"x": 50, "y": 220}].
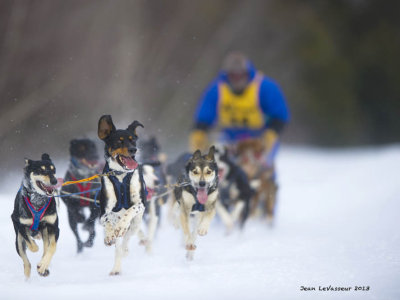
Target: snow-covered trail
[{"x": 337, "y": 225}]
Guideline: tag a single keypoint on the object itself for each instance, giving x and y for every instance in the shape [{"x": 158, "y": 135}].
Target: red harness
[{"x": 83, "y": 187}]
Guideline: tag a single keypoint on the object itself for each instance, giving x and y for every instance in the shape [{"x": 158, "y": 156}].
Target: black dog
[
  {"x": 35, "y": 213},
  {"x": 234, "y": 190},
  {"x": 84, "y": 163}
]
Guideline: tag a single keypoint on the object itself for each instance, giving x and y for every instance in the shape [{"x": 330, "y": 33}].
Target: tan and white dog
[{"x": 196, "y": 196}]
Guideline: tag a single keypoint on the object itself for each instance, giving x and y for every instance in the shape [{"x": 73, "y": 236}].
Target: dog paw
[
  {"x": 27, "y": 270},
  {"x": 202, "y": 231},
  {"x": 191, "y": 247},
  {"x": 114, "y": 273},
  {"x": 33, "y": 246},
  {"x": 229, "y": 229},
  {"x": 189, "y": 255},
  {"x": 109, "y": 240},
  {"x": 143, "y": 242},
  {"x": 42, "y": 270},
  {"x": 80, "y": 247},
  {"x": 149, "y": 249},
  {"x": 270, "y": 220},
  {"x": 88, "y": 243}
]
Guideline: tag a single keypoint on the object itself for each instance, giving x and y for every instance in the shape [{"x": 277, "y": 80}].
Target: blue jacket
[{"x": 271, "y": 101}]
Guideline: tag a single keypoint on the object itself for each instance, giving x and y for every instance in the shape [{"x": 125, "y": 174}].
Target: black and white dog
[
  {"x": 84, "y": 163},
  {"x": 35, "y": 213},
  {"x": 197, "y": 196},
  {"x": 123, "y": 192},
  {"x": 235, "y": 191}
]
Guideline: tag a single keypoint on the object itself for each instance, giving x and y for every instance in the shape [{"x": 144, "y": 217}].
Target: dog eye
[
  {"x": 43, "y": 168},
  {"x": 130, "y": 138},
  {"x": 195, "y": 172},
  {"x": 209, "y": 172}
]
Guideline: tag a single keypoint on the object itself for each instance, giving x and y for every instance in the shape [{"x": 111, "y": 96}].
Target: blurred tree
[
  {"x": 64, "y": 63},
  {"x": 350, "y": 68}
]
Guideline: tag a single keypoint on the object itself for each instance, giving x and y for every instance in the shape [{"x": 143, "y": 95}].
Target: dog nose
[
  {"x": 202, "y": 183},
  {"x": 132, "y": 150},
  {"x": 53, "y": 181}
]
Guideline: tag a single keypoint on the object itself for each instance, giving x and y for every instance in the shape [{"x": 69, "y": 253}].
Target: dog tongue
[
  {"x": 202, "y": 196},
  {"x": 129, "y": 162},
  {"x": 220, "y": 173},
  {"x": 60, "y": 181},
  {"x": 150, "y": 193}
]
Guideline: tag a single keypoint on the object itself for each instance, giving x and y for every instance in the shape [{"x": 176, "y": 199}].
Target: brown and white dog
[
  {"x": 197, "y": 195},
  {"x": 250, "y": 157}
]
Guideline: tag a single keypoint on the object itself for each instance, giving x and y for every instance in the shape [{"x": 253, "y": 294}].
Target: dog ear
[
  {"x": 196, "y": 155},
  {"x": 27, "y": 162},
  {"x": 105, "y": 127},
  {"x": 133, "y": 126},
  {"x": 45, "y": 156},
  {"x": 211, "y": 152}
]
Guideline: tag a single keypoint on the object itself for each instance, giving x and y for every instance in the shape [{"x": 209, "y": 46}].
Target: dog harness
[
  {"x": 122, "y": 189},
  {"x": 197, "y": 206},
  {"x": 37, "y": 215},
  {"x": 84, "y": 189}
]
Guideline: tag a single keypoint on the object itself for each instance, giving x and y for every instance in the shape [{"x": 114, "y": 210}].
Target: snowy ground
[{"x": 337, "y": 225}]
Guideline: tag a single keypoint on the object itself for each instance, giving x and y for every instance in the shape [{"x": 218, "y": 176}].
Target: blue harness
[
  {"x": 37, "y": 215},
  {"x": 198, "y": 206},
  {"x": 122, "y": 189}
]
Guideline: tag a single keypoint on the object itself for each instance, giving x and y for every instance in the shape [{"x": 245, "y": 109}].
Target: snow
[{"x": 337, "y": 225}]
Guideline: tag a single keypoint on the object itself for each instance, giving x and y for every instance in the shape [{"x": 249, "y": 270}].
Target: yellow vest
[{"x": 241, "y": 111}]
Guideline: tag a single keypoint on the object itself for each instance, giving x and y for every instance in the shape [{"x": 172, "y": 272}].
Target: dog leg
[
  {"x": 73, "y": 223},
  {"x": 271, "y": 203},
  {"x": 153, "y": 221},
  {"x": 21, "y": 245},
  {"x": 192, "y": 239},
  {"x": 205, "y": 221},
  {"x": 90, "y": 225},
  {"x": 175, "y": 217},
  {"x": 237, "y": 211},
  {"x": 255, "y": 210},
  {"x": 116, "y": 270},
  {"x": 134, "y": 228},
  {"x": 142, "y": 237},
  {"x": 184, "y": 217},
  {"x": 116, "y": 224},
  {"x": 49, "y": 245},
  {"x": 173, "y": 211},
  {"x": 32, "y": 246},
  {"x": 225, "y": 216},
  {"x": 124, "y": 223},
  {"x": 121, "y": 245}
]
